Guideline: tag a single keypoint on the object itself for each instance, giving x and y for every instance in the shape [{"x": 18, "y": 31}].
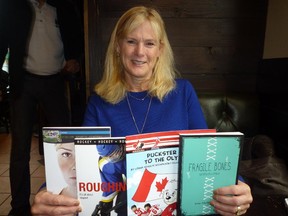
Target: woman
[
  {"x": 139, "y": 93},
  {"x": 66, "y": 161}
]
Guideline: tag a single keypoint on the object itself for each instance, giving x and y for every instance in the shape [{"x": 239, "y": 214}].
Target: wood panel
[
  {"x": 189, "y": 8},
  {"x": 93, "y": 45},
  {"x": 218, "y": 42},
  {"x": 214, "y": 60},
  {"x": 222, "y": 83},
  {"x": 203, "y": 32}
]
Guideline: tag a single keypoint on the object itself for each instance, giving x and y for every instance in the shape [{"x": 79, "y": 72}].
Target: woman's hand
[
  {"x": 232, "y": 200},
  {"x": 46, "y": 203}
]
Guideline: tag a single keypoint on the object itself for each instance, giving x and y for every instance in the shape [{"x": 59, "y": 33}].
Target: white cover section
[
  {"x": 54, "y": 178},
  {"x": 156, "y": 185}
]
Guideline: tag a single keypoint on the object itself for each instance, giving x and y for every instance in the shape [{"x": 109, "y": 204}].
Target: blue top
[{"x": 179, "y": 110}]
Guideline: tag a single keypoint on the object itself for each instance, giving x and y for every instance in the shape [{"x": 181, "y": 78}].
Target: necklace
[
  {"x": 133, "y": 118},
  {"x": 139, "y": 99}
]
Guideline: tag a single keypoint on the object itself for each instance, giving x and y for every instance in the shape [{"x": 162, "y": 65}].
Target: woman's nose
[{"x": 140, "y": 49}]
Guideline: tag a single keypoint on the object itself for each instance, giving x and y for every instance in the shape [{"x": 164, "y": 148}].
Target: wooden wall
[{"x": 218, "y": 44}]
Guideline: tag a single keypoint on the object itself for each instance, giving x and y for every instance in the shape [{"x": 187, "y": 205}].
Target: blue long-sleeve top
[{"x": 180, "y": 110}]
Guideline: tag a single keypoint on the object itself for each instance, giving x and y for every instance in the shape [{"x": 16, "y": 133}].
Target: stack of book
[{"x": 161, "y": 173}]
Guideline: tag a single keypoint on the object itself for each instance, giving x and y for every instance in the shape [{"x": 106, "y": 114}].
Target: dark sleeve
[
  {"x": 3, "y": 30},
  {"x": 71, "y": 28}
]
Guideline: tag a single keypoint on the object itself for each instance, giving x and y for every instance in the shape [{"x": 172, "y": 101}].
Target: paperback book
[
  {"x": 152, "y": 172},
  {"x": 59, "y": 156},
  {"x": 101, "y": 169},
  {"x": 206, "y": 162}
]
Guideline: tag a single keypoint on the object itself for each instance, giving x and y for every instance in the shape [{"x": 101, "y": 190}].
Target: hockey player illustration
[
  {"x": 138, "y": 211},
  {"x": 112, "y": 168},
  {"x": 153, "y": 210}
]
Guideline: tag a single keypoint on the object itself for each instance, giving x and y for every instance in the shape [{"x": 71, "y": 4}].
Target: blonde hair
[{"x": 112, "y": 87}]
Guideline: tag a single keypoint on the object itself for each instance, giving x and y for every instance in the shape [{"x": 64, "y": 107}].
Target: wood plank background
[{"x": 218, "y": 44}]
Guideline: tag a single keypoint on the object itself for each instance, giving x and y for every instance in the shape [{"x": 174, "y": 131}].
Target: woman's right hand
[{"x": 46, "y": 203}]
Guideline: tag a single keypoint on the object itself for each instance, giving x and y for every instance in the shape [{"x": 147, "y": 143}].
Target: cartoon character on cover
[
  {"x": 153, "y": 210},
  {"x": 139, "y": 211},
  {"x": 169, "y": 196},
  {"x": 112, "y": 168}
]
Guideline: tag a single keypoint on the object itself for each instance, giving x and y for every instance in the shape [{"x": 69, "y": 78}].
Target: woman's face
[
  {"x": 66, "y": 161},
  {"x": 139, "y": 52}
]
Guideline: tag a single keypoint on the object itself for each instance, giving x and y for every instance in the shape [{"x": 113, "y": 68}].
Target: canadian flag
[{"x": 152, "y": 185}]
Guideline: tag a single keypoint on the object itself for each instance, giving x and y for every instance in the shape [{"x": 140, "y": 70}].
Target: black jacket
[{"x": 16, "y": 19}]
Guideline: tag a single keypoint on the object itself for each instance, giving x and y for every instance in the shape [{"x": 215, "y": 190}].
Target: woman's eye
[
  {"x": 131, "y": 42},
  {"x": 150, "y": 44},
  {"x": 66, "y": 154}
]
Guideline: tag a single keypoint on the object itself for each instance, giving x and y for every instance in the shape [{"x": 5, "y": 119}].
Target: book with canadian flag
[{"x": 152, "y": 172}]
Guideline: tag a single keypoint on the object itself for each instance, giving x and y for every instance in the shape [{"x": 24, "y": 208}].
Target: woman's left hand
[{"x": 232, "y": 200}]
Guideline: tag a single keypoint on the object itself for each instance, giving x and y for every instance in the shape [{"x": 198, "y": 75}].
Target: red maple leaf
[{"x": 161, "y": 185}]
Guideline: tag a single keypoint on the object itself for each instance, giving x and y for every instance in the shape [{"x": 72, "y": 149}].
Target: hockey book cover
[
  {"x": 206, "y": 162},
  {"x": 101, "y": 175},
  {"x": 152, "y": 172},
  {"x": 59, "y": 156}
]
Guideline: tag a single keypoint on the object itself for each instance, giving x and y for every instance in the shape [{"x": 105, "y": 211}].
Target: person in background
[
  {"x": 44, "y": 40},
  {"x": 140, "y": 92}
]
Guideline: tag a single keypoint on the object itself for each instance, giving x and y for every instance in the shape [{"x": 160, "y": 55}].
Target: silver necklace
[
  {"x": 139, "y": 99},
  {"x": 133, "y": 118}
]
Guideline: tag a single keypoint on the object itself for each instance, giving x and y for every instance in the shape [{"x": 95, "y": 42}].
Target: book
[
  {"x": 206, "y": 162},
  {"x": 59, "y": 156},
  {"x": 101, "y": 169},
  {"x": 152, "y": 172}
]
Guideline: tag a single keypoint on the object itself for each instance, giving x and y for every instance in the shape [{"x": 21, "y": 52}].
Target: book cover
[
  {"x": 101, "y": 170},
  {"x": 152, "y": 172},
  {"x": 206, "y": 162},
  {"x": 59, "y": 156}
]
